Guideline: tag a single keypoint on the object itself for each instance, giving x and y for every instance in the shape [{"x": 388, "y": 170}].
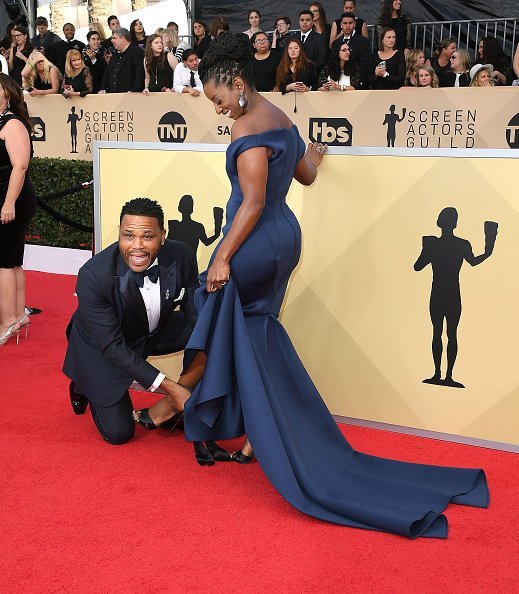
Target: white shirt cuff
[{"x": 157, "y": 382}]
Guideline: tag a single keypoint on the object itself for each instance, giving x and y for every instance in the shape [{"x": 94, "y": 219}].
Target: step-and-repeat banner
[
  {"x": 399, "y": 247},
  {"x": 410, "y": 118}
]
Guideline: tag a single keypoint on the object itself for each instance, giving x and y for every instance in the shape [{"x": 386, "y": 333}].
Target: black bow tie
[{"x": 152, "y": 273}]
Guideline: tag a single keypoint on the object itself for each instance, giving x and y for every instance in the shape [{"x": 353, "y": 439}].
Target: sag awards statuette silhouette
[
  {"x": 446, "y": 254},
  {"x": 390, "y": 120},
  {"x": 73, "y": 119},
  {"x": 192, "y": 232}
]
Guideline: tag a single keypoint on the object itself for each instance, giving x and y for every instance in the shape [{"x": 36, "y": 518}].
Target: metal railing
[{"x": 466, "y": 34}]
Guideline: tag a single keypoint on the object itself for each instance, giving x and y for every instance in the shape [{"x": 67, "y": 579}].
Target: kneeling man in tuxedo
[{"x": 135, "y": 299}]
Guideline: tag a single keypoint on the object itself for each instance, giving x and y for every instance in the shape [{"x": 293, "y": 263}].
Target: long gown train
[{"x": 254, "y": 383}]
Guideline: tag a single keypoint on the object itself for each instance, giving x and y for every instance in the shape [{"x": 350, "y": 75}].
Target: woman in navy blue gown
[{"x": 244, "y": 372}]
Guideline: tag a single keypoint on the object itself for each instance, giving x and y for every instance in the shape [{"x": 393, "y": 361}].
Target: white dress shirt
[
  {"x": 151, "y": 296},
  {"x": 182, "y": 77}
]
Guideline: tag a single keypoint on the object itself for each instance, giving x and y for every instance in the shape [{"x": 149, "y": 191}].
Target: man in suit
[
  {"x": 135, "y": 299},
  {"x": 314, "y": 44},
  {"x": 125, "y": 70},
  {"x": 360, "y": 50}
]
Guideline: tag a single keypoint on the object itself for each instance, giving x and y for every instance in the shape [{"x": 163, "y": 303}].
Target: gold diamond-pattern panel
[{"x": 356, "y": 310}]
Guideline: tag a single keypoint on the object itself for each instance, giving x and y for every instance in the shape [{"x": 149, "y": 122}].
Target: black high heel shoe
[
  {"x": 78, "y": 401},
  {"x": 242, "y": 458},
  {"x": 146, "y": 421},
  {"x": 218, "y": 453},
  {"x": 202, "y": 454}
]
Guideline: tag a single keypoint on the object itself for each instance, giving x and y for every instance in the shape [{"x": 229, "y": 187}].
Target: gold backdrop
[{"x": 356, "y": 310}]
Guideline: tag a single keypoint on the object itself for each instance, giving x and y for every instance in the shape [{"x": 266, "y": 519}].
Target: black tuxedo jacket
[
  {"x": 108, "y": 335},
  {"x": 360, "y": 53},
  {"x": 315, "y": 48},
  {"x": 130, "y": 74}
]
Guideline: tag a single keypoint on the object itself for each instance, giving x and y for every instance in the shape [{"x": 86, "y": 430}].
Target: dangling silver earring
[{"x": 242, "y": 102}]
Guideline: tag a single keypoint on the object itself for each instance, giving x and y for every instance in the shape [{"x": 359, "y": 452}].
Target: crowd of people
[{"x": 318, "y": 55}]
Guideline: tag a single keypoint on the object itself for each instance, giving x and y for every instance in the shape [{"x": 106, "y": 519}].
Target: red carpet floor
[{"x": 78, "y": 515}]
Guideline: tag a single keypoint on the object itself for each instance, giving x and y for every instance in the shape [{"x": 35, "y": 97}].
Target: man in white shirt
[
  {"x": 135, "y": 299},
  {"x": 186, "y": 78}
]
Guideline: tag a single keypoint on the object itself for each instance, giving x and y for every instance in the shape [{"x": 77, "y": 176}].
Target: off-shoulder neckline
[{"x": 264, "y": 132}]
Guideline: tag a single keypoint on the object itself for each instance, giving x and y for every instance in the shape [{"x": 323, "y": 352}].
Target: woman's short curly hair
[{"x": 228, "y": 56}]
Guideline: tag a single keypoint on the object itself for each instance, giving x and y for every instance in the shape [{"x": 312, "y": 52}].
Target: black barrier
[{"x": 42, "y": 203}]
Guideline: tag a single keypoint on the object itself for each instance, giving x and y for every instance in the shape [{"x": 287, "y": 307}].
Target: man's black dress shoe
[
  {"x": 202, "y": 454},
  {"x": 78, "y": 401},
  {"x": 218, "y": 453}
]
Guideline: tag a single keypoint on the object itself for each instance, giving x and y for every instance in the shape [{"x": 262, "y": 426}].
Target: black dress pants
[{"x": 115, "y": 423}]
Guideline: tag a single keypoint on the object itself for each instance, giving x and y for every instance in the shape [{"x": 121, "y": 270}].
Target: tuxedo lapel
[{"x": 168, "y": 290}]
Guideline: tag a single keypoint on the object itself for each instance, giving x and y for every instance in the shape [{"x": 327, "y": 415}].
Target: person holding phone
[
  {"x": 19, "y": 53},
  {"x": 93, "y": 56},
  {"x": 388, "y": 65},
  {"x": 295, "y": 73},
  {"x": 341, "y": 73}
]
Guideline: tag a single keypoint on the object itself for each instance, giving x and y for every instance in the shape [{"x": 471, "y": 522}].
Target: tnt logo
[
  {"x": 332, "y": 131},
  {"x": 172, "y": 127},
  {"x": 512, "y": 132},
  {"x": 38, "y": 129}
]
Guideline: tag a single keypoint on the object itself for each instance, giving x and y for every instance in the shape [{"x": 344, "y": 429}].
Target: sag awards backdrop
[
  {"x": 375, "y": 276},
  {"x": 410, "y": 118}
]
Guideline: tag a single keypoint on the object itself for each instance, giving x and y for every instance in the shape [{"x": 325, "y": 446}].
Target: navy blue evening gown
[{"x": 254, "y": 383}]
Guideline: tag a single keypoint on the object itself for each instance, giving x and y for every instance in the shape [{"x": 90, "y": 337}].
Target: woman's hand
[
  {"x": 34, "y": 93},
  {"x": 218, "y": 274},
  {"x": 380, "y": 71},
  {"x": 7, "y": 214},
  {"x": 146, "y": 91},
  {"x": 315, "y": 152}
]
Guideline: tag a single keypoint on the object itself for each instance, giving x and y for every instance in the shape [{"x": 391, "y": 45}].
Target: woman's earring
[{"x": 242, "y": 102}]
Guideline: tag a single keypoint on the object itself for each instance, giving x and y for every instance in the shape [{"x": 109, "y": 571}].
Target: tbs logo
[
  {"x": 172, "y": 127},
  {"x": 38, "y": 129},
  {"x": 332, "y": 131}
]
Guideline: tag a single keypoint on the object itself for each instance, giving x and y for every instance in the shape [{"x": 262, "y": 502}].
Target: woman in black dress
[
  {"x": 39, "y": 76},
  {"x": 137, "y": 33},
  {"x": 18, "y": 204},
  {"x": 201, "y": 37},
  {"x": 388, "y": 66},
  {"x": 159, "y": 66},
  {"x": 393, "y": 16},
  {"x": 341, "y": 73},
  {"x": 491, "y": 52},
  {"x": 78, "y": 80},
  {"x": 441, "y": 61},
  {"x": 20, "y": 51},
  {"x": 281, "y": 35},
  {"x": 265, "y": 63},
  {"x": 295, "y": 71}
]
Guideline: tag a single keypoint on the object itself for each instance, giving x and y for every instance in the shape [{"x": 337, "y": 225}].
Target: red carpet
[{"x": 79, "y": 515}]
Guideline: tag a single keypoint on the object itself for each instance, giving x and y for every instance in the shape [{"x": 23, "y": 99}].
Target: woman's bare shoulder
[{"x": 264, "y": 118}]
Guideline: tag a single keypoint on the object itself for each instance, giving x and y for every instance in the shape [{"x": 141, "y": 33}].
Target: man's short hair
[
  {"x": 41, "y": 21},
  {"x": 122, "y": 32},
  {"x": 90, "y": 33},
  {"x": 306, "y": 11},
  {"x": 143, "y": 207},
  {"x": 347, "y": 15},
  {"x": 111, "y": 18},
  {"x": 68, "y": 24},
  {"x": 188, "y": 52}
]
